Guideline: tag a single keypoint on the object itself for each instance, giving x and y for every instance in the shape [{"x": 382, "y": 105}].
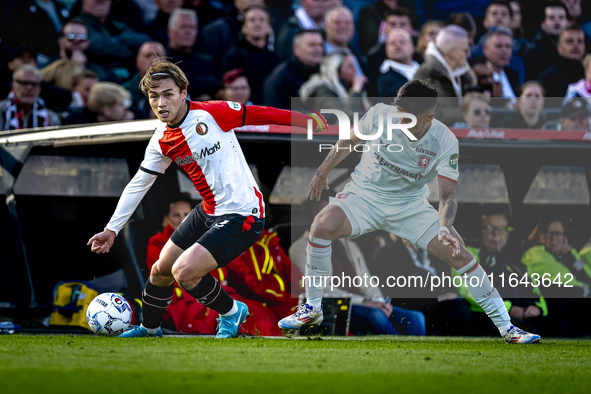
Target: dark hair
[
  {"x": 417, "y": 96},
  {"x": 300, "y": 33},
  {"x": 501, "y": 3},
  {"x": 397, "y": 12},
  {"x": 571, "y": 28},
  {"x": 160, "y": 70},
  {"x": 477, "y": 60},
  {"x": 74, "y": 21},
  {"x": 556, "y": 4},
  {"x": 463, "y": 19},
  {"x": 261, "y": 7}
]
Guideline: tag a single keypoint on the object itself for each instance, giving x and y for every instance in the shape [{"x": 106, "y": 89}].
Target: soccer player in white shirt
[
  {"x": 388, "y": 191},
  {"x": 199, "y": 137}
]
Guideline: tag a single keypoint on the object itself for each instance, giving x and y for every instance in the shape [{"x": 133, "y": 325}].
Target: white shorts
[{"x": 414, "y": 220}]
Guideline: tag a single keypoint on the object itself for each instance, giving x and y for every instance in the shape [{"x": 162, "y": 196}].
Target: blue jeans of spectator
[{"x": 366, "y": 319}]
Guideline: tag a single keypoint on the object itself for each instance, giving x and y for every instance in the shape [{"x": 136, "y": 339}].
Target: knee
[
  {"x": 186, "y": 277},
  {"x": 324, "y": 228},
  {"x": 459, "y": 261},
  {"x": 160, "y": 277}
]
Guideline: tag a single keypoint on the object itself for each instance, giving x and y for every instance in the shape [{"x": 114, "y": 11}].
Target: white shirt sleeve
[
  {"x": 448, "y": 163},
  {"x": 133, "y": 194},
  {"x": 154, "y": 161}
]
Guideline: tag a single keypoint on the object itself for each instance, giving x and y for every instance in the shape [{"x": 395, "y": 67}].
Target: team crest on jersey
[
  {"x": 424, "y": 161},
  {"x": 201, "y": 128}
]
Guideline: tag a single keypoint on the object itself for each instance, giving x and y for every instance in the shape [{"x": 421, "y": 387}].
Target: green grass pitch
[{"x": 91, "y": 364}]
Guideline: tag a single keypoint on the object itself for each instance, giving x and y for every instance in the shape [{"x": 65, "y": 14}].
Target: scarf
[
  {"x": 404, "y": 69},
  {"x": 14, "y": 117},
  {"x": 304, "y": 19},
  {"x": 581, "y": 88},
  {"x": 453, "y": 75}
]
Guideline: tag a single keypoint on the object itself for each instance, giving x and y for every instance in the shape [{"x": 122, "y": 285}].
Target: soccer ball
[{"x": 108, "y": 314}]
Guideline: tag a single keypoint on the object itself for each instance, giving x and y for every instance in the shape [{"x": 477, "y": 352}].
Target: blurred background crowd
[{"x": 84, "y": 58}]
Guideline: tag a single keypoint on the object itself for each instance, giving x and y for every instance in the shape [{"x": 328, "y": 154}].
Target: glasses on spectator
[
  {"x": 490, "y": 228},
  {"x": 498, "y": 29},
  {"x": 79, "y": 37},
  {"x": 478, "y": 111},
  {"x": 28, "y": 83},
  {"x": 555, "y": 234}
]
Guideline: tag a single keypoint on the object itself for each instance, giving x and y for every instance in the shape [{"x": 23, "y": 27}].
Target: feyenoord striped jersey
[{"x": 204, "y": 145}]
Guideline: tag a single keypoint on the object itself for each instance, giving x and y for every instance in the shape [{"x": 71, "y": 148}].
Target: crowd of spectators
[
  {"x": 80, "y": 62},
  {"x": 282, "y": 49}
]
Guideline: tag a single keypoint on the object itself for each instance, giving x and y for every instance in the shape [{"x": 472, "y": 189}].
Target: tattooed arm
[
  {"x": 341, "y": 150},
  {"x": 448, "y": 206}
]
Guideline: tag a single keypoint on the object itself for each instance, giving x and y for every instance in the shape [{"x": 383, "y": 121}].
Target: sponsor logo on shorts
[
  {"x": 201, "y": 128},
  {"x": 424, "y": 161},
  {"x": 343, "y": 195}
]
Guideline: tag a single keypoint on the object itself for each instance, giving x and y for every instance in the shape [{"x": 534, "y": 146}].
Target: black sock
[
  {"x": 209, "y": 292},
  {"x": 155, "y": 300}
]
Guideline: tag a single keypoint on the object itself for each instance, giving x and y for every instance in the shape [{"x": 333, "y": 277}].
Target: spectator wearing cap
[
  {"x": 499, "y": 15},
  {"x": 235, "y": 87},
  {"x": 107, "y": 102},
  {"x": 198, "y": 67},
  {"x": 339, "y": 32},
  {"x": 251, "y": 53},
  {"x": 111, "y": 42},
  {"x": 287, "y": 78},
  {"x": 309, "y": 16},
  {"x": 574, "y": 116},
  {"x": 398, "y": 68},
  {"x": 529, "y": 108},
  {"x": 498, "y": 51},
  {"x": 24, "y": 108},
  {"x": 34, "y": 22},
  {"x": 543, "y": 50},
  {"x": 568, "y": 69},
  {"x": 55, "y": 98},
  {"x": 148, "y": 52},
  {"x": 220, "y": 35},
  {"x": 157, "y": 28},
  {"x": 581, "y": 88}
]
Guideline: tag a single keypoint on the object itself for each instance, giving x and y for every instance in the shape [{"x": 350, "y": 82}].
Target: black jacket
[
  {"x": 256, "y": 62},
  {"x": 157, "y": 29},
  {"x": 541, "y": 54},
  {"x": 285, "y": 35},
  {"x": 220, "y": 35},
  {"x": 375, "y": 58},
  {"x": 200, "y": 71},
  {"x": 22, "y": 21},
  {"x": 389, "y": 83},
  {"x": 513, "y": 80},
  {"x": 516, "y": 121},
  {"x": 556, "y": 78},
  {"x": 285, "y": 81}
]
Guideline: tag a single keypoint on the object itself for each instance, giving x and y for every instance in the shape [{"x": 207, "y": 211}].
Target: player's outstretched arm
[
  {"x": 448, "y": 206},
  {"x": 338, "y": 152},
  {"x": 133, "y": 194}
]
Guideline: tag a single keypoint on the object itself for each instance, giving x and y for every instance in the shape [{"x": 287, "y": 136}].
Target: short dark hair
[
  {"x": 397, "y": 12},
  {"x": 570, "y": 28},
  {"x": 463, "y": 19},
  {"x": 261, "y": 7},
  {"x": 474, "y": 60},
  {"x": 160, "y": 70},
  {"x": 300, "y": 33},
  {"x": 556, "y": 4},
  {"x": 74, "y": 21},
  {"x": 503, "y": 3},
  {"x": 417, "y": 96}
]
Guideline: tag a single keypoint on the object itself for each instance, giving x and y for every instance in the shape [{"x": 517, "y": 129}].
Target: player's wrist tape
[{"x": 444, "y": 229}]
